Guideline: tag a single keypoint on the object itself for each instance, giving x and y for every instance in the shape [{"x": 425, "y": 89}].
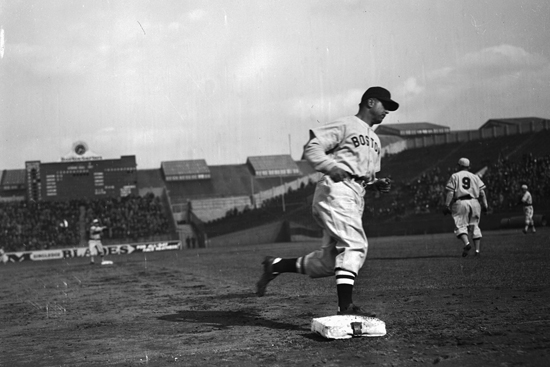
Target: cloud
[
  {"x": 107, "y": 129},
  {"x": 502, "y": 57},
  {"x": 174, "y": 26},
  {"x": 323, "y": 108},
  {"x": 256, "y": 65},
  {"x": 55, "y": 60},
  {"x": 480, "y": 81},
  {"x": 411, "y": 87},
  {"x": 196, "y": 15}
]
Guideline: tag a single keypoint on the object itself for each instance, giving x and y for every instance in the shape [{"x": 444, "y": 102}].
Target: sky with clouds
[{"x": 224, "y": 80}]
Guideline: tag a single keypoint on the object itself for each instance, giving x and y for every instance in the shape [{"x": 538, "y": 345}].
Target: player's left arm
[{"x": 381, "y": 184}]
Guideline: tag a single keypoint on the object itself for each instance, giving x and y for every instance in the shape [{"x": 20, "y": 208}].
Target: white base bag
[{"x": 348, "y": 326}]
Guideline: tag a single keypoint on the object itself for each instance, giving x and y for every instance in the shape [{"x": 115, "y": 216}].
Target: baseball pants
[
  {"x": 528, "y": 211},
  {"x": 338, "y": 209},
  {"x": 96, "y": 248},
  {"x": 467, "y": 214}
]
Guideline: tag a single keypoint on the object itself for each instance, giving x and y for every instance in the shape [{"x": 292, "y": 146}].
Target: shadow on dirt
[
  {"x": 232, "y": 296},
  {"x": 415, "y": 257},
  {"x": 227, "y": 319}
]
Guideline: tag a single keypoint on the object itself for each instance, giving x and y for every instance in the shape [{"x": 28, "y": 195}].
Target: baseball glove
[
  {"x": 383, "y": 185},
  {"x": 447, "y": 210}
]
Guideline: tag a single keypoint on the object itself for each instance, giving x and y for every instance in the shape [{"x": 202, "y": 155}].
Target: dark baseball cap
[{"x": 381, "y": 94}]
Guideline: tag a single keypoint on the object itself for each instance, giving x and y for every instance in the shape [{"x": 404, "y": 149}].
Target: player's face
[{"x": 378, "y": 112}]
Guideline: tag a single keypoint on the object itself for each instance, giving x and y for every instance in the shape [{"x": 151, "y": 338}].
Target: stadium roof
[
  {"x": 273, "y": 165},
  {"x": 412, "y": 126},
  {"x": 185, "y": 170},
  {"x": 411, "y": 129},
  {"x": 229, "y": 181},
  {"x": 514, "y": 122},
  {"x": 13, "y": 177},
  {"x": 185, "y": 167}
]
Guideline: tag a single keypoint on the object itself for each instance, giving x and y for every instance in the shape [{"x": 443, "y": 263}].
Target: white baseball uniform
[
  {"x": 527, "y": 201},
  {"x": 352, "y": 145},
  {"x": 94, "y": 243},
  {"x": 3, "y": 257},
  {"x": 466, "y": 209}
]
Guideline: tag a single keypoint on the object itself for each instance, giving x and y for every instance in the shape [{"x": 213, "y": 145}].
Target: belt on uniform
[
  {"x": 363, "y": 181},
  {"x": 465, "y": 197}
]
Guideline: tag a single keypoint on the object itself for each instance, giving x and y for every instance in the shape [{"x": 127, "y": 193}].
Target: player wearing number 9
[{"x": 465, "y": 199}]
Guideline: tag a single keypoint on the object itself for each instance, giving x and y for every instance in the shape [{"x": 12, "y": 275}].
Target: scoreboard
[{"x": 67, "y": 180}]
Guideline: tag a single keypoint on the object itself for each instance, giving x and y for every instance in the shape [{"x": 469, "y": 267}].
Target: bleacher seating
[
  {"x": 38, "y": 225},
  {"x": 271, "y": 210},
  {"x": 419, "y": 177}
]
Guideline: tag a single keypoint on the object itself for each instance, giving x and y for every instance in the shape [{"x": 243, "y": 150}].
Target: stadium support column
[
  {"x": 283, "y": 185},
  {"x": 252, "y": 197},
  {"x": 82, "y": 226}
]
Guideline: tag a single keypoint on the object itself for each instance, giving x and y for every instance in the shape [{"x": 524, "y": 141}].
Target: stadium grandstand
[
  {"x": 12, "y": 185},
  {"x": 519, "y": 124},
  {"x": 412, "y": 129},
  {"x": 266, "y": 198}
]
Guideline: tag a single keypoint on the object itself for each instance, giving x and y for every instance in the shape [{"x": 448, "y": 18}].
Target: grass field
[{"x": 198, "y": 307}]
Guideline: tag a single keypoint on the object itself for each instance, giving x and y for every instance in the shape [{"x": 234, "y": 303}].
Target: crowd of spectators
[
  {"x": 423, "y": 195},
  {"x": 27, "y": 225},
  {"x": 427, "y": 193},
  {"x": 42, "y": 225},
  {"x": 504, "y": 179},
  {"x": 270, "y": 210}
]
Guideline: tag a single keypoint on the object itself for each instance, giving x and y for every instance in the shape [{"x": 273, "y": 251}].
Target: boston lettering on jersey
[{"x": 365, "y": 140}]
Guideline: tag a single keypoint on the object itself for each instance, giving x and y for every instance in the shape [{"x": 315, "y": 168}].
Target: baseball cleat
[
  {"x": 356, "y": 311},
  {"x": 465, "y": 250},
  {"x": 524, "y": 231},
  {"x": 266, "y": 277}
]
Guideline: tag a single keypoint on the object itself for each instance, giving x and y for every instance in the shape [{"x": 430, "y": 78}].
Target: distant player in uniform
[
  {"x": 527, "y": 201},
  {"x": 3, "y": 257},
  {"x": 94, "y": 243},
  {"x": 465, "y": 200},
  {"x": 348, "y": 153}
]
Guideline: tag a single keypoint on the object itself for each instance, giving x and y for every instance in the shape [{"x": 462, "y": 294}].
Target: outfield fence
[{"x": 121, "y": 249}]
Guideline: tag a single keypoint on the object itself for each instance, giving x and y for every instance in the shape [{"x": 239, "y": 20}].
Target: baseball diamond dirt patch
[{"x": 198, "y": 307}]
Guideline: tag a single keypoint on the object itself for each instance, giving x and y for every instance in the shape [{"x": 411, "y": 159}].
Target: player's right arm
[
  {"x": 449, "y": 194},
  {"x": 525, "y": 199},
  {"x": 449, "y": 198},
  {"x": 316, "y": 155},
  {"x": 450, "y": 189},
  {"x": 483, "y": 199}
]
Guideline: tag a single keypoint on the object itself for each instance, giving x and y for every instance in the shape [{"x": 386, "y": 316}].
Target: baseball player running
[
  {"x": 3, "y": 257},
  {"x": 464, "y": 192},
  {"x": 94, "y": 243},
  {"x": 347, "y": 151},
  {"x": 527, "y": 201}
]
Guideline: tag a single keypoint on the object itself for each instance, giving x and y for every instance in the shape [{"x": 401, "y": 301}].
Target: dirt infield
[{"x": 198, "y": 308}]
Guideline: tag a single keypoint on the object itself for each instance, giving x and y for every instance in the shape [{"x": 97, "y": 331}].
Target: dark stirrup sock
[
  {"x": 345, "y": 292},
  {"x": 284, "y": 265}
]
